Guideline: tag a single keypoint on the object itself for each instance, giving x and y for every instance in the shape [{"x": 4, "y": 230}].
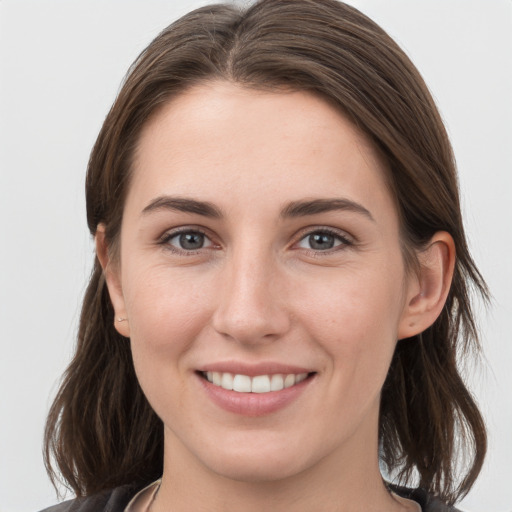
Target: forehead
[{"x": 220, "y": 136}]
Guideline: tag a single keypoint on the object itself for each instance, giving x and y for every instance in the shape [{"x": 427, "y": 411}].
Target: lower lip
[{"x": 254, "y": 404}]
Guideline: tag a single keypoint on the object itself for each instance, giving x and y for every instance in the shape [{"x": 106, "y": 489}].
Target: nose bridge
[{"x": 251, "y": 307}]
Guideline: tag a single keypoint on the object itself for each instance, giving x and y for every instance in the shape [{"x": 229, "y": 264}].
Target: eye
[
  {"x": 322, "y": 240},
  {"x": 187, "y": 241}
]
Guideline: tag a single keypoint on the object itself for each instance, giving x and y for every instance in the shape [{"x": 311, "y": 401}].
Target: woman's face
[{"x": 260, "y": 249}]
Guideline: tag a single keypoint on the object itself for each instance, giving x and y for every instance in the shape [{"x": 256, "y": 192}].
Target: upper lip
[{"x": 254, "y": 369}]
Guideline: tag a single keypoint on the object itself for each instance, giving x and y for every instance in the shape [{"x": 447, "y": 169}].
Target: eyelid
[
  {"x": 346, "y": 239},
  {"x": 169, "y": 234}
]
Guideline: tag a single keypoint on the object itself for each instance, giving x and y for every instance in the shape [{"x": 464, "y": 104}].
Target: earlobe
[
  {"x": 428, "y": 289},
  {"x": 111, "y": 272}
]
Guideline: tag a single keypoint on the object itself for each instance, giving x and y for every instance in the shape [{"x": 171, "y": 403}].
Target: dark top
[{"x": 117, "y": 499}]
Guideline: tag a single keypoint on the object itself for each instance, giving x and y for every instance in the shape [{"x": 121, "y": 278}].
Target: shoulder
[
  {"x": 114, "y": 500},
  {"x": 117, "y": 499},
  {"x": 427, "y": 502}
]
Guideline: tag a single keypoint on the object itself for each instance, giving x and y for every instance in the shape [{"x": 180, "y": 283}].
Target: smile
[{"x": 257, "y": 384}]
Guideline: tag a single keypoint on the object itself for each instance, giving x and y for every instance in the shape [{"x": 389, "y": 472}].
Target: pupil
[
  {"x": 191, "y": 241},
  {"x": 321, "y": 241}
]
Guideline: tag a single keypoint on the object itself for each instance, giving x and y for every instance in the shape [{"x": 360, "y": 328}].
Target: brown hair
[{"x": 101, "y": 431}]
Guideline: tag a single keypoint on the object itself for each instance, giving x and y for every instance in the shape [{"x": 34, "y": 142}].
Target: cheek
[
  {"x": 355, "y": 316},
  {"x": 167, "y": 310},
  {"x": 167, "y": 313}
]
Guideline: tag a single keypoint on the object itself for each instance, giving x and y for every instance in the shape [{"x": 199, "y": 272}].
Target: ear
[
  {"x": 111, "y": 271},
  {"x": 428, "y": 289}
]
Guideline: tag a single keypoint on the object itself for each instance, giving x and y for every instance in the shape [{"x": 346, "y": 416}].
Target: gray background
[{"x": 61, "y": 63}]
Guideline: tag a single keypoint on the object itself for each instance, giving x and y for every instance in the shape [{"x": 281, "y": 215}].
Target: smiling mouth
[{"x": 257, "y": 384}]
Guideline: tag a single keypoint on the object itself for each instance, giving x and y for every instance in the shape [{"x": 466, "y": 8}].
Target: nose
[{"x": 251, "y": 302}]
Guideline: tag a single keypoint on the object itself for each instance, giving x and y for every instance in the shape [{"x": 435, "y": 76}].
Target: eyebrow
[
  {"x": 182, "y": 204},
  {"x": 292, "y": 210},
  {"x": 316, "y": 206}
]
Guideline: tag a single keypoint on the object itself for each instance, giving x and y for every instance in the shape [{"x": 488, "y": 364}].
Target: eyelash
[
  {"x": 167, "y": 237},
  {"x": 339, "y": 237},
  {"x": 344, "y": 240}
]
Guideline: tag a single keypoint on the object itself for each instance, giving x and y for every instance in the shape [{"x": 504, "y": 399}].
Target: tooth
[
  {"x": 276, "y": 382},
  {"x": 260, "y": 384},
  {"x": 227, "y": 381},
  {"x": 242, "y": 384},
  {"x": 289, "y": 380}
]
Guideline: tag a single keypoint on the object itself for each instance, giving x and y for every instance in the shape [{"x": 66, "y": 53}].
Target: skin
[{"x": 258, "y": 291}]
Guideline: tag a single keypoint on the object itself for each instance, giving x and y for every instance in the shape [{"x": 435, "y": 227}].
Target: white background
[{"x": 61, "y": 63}]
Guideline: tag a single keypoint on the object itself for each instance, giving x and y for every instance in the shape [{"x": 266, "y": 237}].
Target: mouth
[{"x": 261, "y": 384}]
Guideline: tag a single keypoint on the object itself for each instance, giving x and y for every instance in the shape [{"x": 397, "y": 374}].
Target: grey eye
[
  {"x": 189, "y": 241},
  {"x": 322, "y": 241}
]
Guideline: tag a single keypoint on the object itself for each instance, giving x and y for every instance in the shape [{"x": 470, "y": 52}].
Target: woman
[{"x": 281, "y": 282}]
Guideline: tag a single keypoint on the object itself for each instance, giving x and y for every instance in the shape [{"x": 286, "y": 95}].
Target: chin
[
  {"x": 254, "y": 471},
  {"x": 259, "y": 462}
]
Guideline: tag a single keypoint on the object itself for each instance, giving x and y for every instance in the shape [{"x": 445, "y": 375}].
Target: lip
[
  {"x": 253, "y": 370},
  {"x": 254, "y": 404}
]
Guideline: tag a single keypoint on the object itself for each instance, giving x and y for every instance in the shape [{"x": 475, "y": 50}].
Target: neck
[{"x": 349, "y": 482}]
